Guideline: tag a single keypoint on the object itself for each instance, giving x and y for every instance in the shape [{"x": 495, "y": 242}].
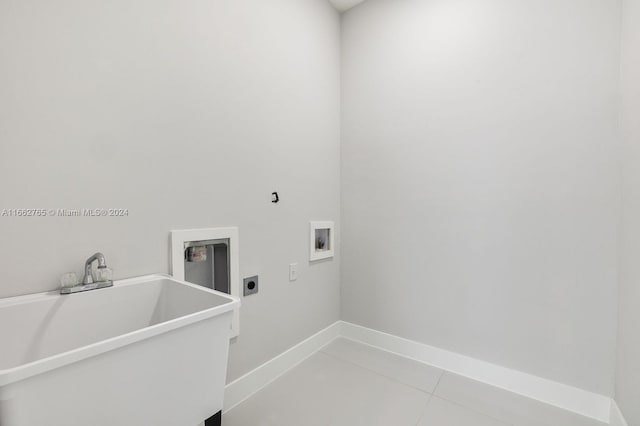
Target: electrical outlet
[
  {"x": 293, "y": 271},
  {"x": 250, "y": 286}
]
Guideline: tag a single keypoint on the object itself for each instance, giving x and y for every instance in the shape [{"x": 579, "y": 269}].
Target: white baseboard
[
  {"x": 567, "y": 397},
  {"x": 560, "y": 395},
  {"x": 245, "y": 386},
  {"x": 617, "y": 419}
]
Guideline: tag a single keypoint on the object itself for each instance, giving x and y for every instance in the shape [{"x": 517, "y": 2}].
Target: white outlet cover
[{"x": 293, "y": 271}]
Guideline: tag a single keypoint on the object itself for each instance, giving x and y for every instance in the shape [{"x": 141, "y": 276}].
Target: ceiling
[{"x": 343, "y": 5}]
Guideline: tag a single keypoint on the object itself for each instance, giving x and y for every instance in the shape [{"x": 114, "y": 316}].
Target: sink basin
[{"x": 148, "y": 351}]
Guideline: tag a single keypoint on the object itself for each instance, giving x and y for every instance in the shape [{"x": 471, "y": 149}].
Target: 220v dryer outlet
[{"x": 250, "y": 286}]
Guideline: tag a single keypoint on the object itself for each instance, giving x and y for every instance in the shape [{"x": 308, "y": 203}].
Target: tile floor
[{"x": 351, "y": 384}]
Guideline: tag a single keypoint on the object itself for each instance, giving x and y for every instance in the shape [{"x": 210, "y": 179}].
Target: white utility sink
[{"x": 147, "y": 351}]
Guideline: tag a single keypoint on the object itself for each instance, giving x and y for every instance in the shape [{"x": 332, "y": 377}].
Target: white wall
[
  {"x": 628, "y": 372},
  {"x": 189, "y": 114},
  {"x": 480, "y": 179}
]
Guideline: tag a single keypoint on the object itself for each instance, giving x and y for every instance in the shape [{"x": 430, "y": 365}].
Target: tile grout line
[
  {"x": 431, "y": 395},
  {"x": 504, "y": 422},
  {"x": 438, "y": 383},
  {"x": 424, "y": 410},
  {"x": 393, "y": 379}
]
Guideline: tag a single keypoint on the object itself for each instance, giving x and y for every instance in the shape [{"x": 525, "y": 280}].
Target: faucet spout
[{"x": 88, "y": 274}]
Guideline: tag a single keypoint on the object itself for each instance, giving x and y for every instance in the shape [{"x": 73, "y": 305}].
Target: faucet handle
[
  {"x": 103, "y": 274},
  {"x": 70, "y": 279}
]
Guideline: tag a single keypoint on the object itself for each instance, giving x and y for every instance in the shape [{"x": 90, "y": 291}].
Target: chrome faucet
[
  {"x": 89, "y": 281},
  {"x": 88, "y": 270}
]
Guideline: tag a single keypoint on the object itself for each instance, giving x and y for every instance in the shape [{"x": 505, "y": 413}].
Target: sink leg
[{"x": 215, "y": 420}]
